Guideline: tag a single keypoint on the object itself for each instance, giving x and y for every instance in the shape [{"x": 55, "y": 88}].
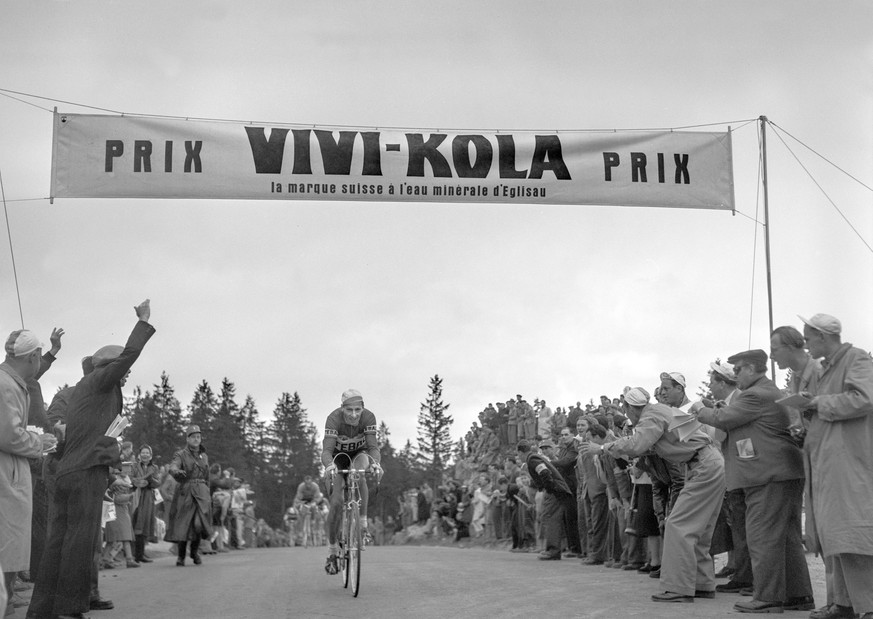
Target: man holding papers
[
  {"x": 63, "y": 584},
  {"x": 763, "y": 461}
]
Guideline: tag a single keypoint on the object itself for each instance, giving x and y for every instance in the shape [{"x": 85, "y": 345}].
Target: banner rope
[
  {"x": 4, "y": 91},
  {"x": 824, "y": 193},
  {"x": 11, "y": 251}
]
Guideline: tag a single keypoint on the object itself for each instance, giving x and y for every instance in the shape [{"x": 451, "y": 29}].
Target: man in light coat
[
  {"x": 839, "y": 444},
  {"x": 17, "y": 443}
]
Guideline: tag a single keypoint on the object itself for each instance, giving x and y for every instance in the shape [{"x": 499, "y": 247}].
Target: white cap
[{"x": 22, "y": 342}]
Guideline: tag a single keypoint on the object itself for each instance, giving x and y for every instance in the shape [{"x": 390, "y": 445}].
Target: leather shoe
[
  {"x": 592, "y": 561},
  {"x": 547, "y": 556},
  {"x": 180, "y": 562},
  {"x": 645, "y": 569},
  {"x": 706, "y": 595},
  {"x": 196, "y": 559},
  {"x": 747, "y": 591},
  {"x": 144, "y": 559},
  {"x": 655, "y": 573},
  {"x": 805, "y": 602},
  {"x": 570, "y": 555},
  {"x": 632, "y": 566},
  {"x": 101, "y": 604},
  {"x": 732, "y": 586},
  {"x": 670, "y": 596},
  {"x": 725, "y": 572},
  {"x": 834, "y": 611},
  {"x": 757, "y": 606}
]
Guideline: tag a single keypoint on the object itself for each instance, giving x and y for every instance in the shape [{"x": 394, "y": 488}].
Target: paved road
[{"x": 397, "y": 581}]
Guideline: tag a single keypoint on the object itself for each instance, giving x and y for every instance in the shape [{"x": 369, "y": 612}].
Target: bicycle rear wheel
[{"x": 356, "y": 543}]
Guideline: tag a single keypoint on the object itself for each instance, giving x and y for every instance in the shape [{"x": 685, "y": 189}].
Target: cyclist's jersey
[
  {"x": 308, "y": 492},
  {"x": 341, "y": 437}
]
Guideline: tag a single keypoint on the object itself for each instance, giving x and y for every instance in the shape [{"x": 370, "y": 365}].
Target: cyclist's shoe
[
  {"x": 368, "y": 539},
  {"x": 332, "y": 565}
]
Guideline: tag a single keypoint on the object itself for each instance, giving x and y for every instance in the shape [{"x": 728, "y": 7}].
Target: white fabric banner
[{"x": 100, "y": 156}]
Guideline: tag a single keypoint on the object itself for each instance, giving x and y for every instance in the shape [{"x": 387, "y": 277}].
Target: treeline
[{"x": 273, "y": 456}]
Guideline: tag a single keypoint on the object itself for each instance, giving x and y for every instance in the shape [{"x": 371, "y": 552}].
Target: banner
[{"x": 99, "y": 156}]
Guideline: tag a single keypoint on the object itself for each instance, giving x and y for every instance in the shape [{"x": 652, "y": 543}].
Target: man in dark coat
[
  {"x": 544, "y": 476},
  {"x": 762, "y": 460},
  {"x": 63, "y": 585},
  {"x": 190, "y": 518}
]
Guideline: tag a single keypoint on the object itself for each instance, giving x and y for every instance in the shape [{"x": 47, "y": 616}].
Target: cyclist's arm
[
  {"x": 327, "y": 446},
  {"x": 371, "y": 438}
]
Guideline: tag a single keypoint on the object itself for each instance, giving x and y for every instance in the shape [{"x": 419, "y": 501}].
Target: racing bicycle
[{"x": 351, "y": 535}]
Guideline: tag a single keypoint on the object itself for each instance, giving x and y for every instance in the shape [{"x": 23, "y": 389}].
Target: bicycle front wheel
[
  {"x": 344, "y": 547},
  {"x": 356, "y": 544}
]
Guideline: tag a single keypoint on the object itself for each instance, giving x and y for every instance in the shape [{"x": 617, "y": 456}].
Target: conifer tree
[{"x": 434, "y": 427}]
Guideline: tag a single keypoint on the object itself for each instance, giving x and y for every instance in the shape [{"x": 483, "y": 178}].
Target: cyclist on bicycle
[
  {"x": 349, "y": 430},
  {"x": 308, "y": 493}
]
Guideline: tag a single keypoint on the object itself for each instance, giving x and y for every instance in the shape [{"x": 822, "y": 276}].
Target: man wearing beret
[
  {"x": 839, "y": 446},
  {"x": 63, "y": 584},
  {"x": 686, "y": 567},
  {"x": 765, "y": 464},
  {"x": 544, "y": 476}
]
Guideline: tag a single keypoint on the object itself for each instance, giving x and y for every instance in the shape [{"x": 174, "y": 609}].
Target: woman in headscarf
[
  {"x": 190, "y": 518},
  {"x": 145, "y": 479}
]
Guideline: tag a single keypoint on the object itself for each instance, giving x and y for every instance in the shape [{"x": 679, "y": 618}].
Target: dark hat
[
  {"x": 192, "y": 429},
  {"x": 546, "y": 443},
  {"x": 756, "y": 356}
]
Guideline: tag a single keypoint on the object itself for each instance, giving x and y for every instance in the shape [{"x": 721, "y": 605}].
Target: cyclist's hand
[
  {"x": 330, "y": 470},
  {"x": 376, "y": 469}
]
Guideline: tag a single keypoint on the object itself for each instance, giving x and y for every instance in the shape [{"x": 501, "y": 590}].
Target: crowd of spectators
[{"x": 660, "y": 484}]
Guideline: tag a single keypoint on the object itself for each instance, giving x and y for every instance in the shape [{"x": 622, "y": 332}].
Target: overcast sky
[{"x": 558, "y": 302}]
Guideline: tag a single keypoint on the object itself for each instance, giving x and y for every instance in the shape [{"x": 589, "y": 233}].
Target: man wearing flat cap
[
  {"x": 686, "y": 567},
  {"x": 839, "y": 448},
  {"x": 63, "y": 584},
  {"x": 763, "y": 462}
]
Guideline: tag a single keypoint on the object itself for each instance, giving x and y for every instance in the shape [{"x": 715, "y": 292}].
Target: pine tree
[
  {"x": 203, "y": 407},
  {"x": 434, "y": 427},
  {"x": 225, "y": 440},
  {"x": 294, "y": 452},
  {"x": 156, "y": 420}
]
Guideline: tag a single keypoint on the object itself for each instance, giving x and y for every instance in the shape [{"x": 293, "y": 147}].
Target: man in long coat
[
  {"x": 190, "y": 518},
  {"x": 17, "y": 443},
  {"x": 839, "y": 444}
]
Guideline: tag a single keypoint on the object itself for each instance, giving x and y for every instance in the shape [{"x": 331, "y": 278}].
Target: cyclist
[
  {"x": 349, "y": 430},
  {"x": 308, "y": 493}
]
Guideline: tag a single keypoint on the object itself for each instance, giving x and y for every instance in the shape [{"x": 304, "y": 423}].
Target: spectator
[
  {"x": 145, "y": 481},
  {"x": 565, "y": 462},
  {"x": 17, "y": 443},
  {"x": 37, "y": 417},
  {"x": 687, "y": 568},
  {"x": 480, "y": 501},
  {"x": 723, "y": 388},
  {"x": 838, "y": 445},
  {"x": 237, "y": 509},
  {"x": 763, "y": 462},
  {"x": 190, "y": 518},
  {"x": 544, "y": 476},
  {"x": 64, "y": 583},
  {"x": 119, "y": 532},
  {"x": 596, "y": 499}
]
